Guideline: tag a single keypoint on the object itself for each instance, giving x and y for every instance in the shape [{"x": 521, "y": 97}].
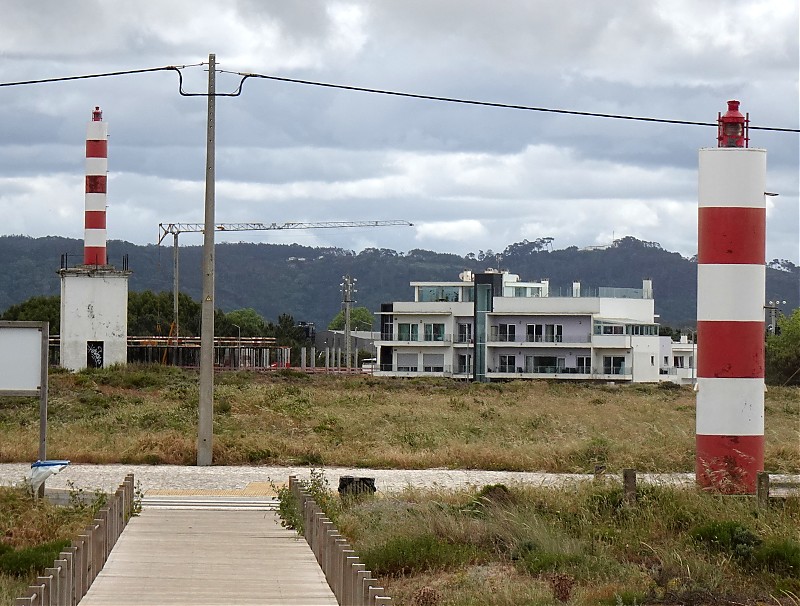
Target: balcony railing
[
  {"x": 411, "y": 338},
  {"x": 540, "y": 339},
  {"x": 420, "y": 369}
]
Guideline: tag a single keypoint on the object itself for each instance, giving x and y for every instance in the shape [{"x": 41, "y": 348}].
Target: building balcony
[
  {"x": 442, "y": 339},
  {"x": 611, "y": 341},
  {"x": 580, "y": 373},
  {"x": 391, "y": 370},
  {"x": 539, "y": 340}
]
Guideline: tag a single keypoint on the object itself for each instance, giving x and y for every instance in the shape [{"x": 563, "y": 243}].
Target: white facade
[
  {"x": 525, "y": 333},
  {"x": 94, "y": 317}
]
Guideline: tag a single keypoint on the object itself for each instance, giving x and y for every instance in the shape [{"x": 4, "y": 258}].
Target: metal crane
[{"x": 178, "y": 228}]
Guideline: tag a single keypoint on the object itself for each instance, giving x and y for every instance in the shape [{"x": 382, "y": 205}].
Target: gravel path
[
  {"x": 184, "y": 477},
  {"x": 174, "y": 477}
]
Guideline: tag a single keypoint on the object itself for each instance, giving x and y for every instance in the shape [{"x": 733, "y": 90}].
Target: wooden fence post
[
  {"x": 367, "y": 582},
  {"x": 67, "y": 562},
  {"x": 348, "y": 556},
  {"x": 353, "y": 579},
  {"x": 629, "y": 485},
  {"x": 374, "y": 592},
  {"x": 762, "y": 488},
  {"x": 46, "y": 583},
  {"x": 55, "y": 585}
]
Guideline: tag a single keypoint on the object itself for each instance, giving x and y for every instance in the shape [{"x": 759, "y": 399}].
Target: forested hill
[{"x": 304, "y": 281}]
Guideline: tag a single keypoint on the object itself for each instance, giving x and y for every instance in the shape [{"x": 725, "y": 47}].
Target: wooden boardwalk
[{"x": 204, "y": 557}]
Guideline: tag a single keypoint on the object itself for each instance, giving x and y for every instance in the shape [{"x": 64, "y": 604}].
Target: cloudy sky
[{"x": 469, "y": 178}]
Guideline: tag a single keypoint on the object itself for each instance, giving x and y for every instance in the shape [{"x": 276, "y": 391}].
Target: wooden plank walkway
[{"x": 209, "y": 557}]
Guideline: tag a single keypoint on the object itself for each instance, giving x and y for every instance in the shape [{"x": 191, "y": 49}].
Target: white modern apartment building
[{"x": 492, "y": 326}]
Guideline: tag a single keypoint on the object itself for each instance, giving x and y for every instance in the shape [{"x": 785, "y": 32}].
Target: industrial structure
[
  {"x": 730, "y": 308},
  {"x": 94, "y": 295},
  {"x": 176, "y": 229}
]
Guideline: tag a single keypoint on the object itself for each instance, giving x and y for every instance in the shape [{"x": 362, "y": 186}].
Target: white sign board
[{"x": 20, "y": 359}]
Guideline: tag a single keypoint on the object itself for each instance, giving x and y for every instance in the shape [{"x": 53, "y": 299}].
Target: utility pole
[
  {"x": 347, "y": 300},
  {"x": 176, "y": 361},
  {"x": 205, "y": 427}
]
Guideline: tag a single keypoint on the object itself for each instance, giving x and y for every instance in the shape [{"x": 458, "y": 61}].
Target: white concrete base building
[
  {"x": 492, "y": 326},
  {"x": 94, "y": 317}
]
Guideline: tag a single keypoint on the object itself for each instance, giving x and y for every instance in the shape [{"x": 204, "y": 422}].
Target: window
[
  {"x": 407, "y": 362},
  {"x": 534, "y": 333},
  {"x": 433, "y": 362},
  {"x": 678, "y": 362},
  {"x": 553, "y": 333},
  {"x": 548, "y": 364},
  {"x": 507, "y": 363},
  {"x": 609, "y": 329},
  {"x": 434, "y": 332},
  {"x": 438, "y": 293},
  {"x": 614, "y": 365},
  {"x": 464, "y": 333},
  {"x": 464, "y": 364},
  {"x": 508, "y": 332},
  {"x": 530, "y": 365},
  {"x": 584, "y": 364},
  {"x": 407, "y": 332}
]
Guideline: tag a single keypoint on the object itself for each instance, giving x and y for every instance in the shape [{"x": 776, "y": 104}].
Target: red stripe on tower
[
  {"x": 730, "y": 309},
  {"x": 94, "y": 234}
]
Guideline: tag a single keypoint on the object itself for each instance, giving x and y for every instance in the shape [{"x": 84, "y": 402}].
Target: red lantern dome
[{"x": 733, "y": 127}]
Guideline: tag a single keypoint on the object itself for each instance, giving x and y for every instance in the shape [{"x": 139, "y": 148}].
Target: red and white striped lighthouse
[
  {"x": 730, "y": 309},
  {"x": 94, "y": 238}
]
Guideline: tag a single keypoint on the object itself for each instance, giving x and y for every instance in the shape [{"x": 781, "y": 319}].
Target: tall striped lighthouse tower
[
  {"x": 730, "y": 309},
  {"x": 94, "y": 295},
  {"x": 94, "y": 238}
]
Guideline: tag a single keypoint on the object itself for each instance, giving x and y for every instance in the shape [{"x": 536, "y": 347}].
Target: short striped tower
[{"x": 730, "y": 311}]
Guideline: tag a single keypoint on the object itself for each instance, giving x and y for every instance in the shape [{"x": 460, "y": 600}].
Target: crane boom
[
  {"x": 179, "y": 228},
  {"x": 175, "y": 229}
]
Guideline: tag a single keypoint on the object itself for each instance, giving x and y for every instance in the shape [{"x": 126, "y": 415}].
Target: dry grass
[
  {"x": 529, "y": 545},
  {"x": 149, "y": 415},
  {"x": 33, "y": 532}
]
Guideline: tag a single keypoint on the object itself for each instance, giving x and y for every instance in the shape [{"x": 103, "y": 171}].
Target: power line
[
  {"x": 128, "y": 72},
  {"x": 494, "y": 104},
  {"x": 377, "y": 91}
]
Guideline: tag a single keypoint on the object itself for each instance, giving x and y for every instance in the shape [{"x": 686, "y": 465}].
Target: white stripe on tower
[
  {"x": 730, "y": 317},
  {"x": 94, "y": 238}
]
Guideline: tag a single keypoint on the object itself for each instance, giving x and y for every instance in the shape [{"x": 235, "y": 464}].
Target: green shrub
[
  {"x": 22, "y": 562},
  {"x": 729, "y": 537},
  {"x": 779, "y": 556},
  {"x": 410, "y": 555},
  {"x": 317, "y": 486}
]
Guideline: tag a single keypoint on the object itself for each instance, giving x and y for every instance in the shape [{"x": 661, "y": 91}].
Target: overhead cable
[{"x": 494, "y": 104}]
